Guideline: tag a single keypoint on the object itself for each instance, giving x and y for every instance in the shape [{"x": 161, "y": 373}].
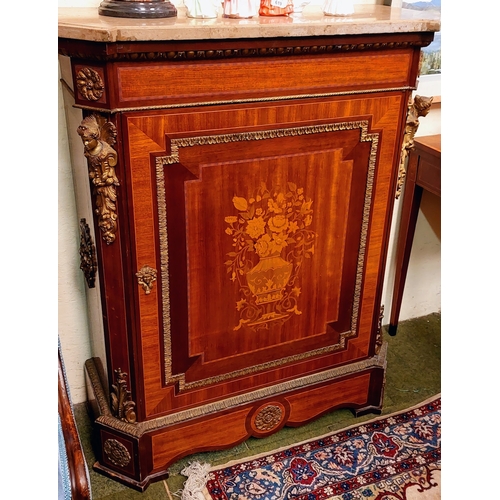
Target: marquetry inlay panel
[
  {"x": 182, "y": 231},
  {"x": 302, "y": 204}
]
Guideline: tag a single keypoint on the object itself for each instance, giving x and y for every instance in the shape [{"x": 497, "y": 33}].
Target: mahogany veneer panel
[
  {"x": 210, "y": 80},
  {"x": 167, "y": 448},
  {"x": 204, "y": 304}
]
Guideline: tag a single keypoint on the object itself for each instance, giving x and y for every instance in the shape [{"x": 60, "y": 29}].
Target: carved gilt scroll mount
[
  {"x": 122, "y": 405},
  {"x": 88, "y": 260},
  {"x": 420, "y": 106},
  {"x": 145, "y": 277},
  {"x": 98, "y": 137}
]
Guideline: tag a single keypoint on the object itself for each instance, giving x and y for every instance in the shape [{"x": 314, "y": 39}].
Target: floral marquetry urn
[
  {"x": 271, "y": 235},
  {"x": 268, "y": 278}
]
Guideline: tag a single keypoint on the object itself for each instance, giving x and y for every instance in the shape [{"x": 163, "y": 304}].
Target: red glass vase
[{"x": 276, "y": 7}]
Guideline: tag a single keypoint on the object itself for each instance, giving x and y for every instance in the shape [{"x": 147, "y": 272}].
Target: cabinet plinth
[{"x": 242, "y": 193}]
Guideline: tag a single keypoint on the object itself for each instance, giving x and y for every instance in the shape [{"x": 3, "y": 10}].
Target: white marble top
[{"x": 87, "y": 24}]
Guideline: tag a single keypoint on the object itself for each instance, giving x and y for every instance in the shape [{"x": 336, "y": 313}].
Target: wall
[
  {"x": 422, "y": 295},
  {"x": 72, "y": 306}
]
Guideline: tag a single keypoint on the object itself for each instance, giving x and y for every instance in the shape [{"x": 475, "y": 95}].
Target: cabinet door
[{"x": 266, "y": 224}]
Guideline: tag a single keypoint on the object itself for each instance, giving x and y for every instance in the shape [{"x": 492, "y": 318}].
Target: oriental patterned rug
[{"x": 395, "y": 457}]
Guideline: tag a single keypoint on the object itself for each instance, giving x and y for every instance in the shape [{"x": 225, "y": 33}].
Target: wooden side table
[{"x": 424, "y": 172}]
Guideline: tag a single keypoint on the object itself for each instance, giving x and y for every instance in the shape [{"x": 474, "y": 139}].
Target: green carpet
[{"x": 413, "y": 375}]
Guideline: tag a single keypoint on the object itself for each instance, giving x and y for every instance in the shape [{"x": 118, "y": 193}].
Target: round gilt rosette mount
[
  {"x": 89, "y": 84},
  {"x": 267, "y": 418},
  {"x": 116, "y": 453}
]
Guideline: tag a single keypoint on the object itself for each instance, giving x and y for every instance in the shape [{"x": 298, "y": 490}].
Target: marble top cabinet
[{"x": 240, "y": 178}]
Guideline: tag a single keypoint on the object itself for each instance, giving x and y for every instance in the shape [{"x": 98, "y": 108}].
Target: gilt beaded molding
[
  {"x": 248, "y": 100},
  {"x": 230, "y": 53}
]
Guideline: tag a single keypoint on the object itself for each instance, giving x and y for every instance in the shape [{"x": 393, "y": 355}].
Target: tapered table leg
[{"x": 409, "y": 212}]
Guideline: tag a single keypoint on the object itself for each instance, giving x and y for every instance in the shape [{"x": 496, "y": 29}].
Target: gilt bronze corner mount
[
  {"x": 98, "y": 136},
  {"x": 88, "y": 260},
  {"x": 122, "y": 405},
  {"x": 419, "y": 106}
]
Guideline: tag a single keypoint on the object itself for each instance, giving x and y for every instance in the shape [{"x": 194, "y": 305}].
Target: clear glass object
[
  {"x": 338, "y": 7},
  {"x": 240, "y": 9},
  {"x": 298, "y": 5},
  {"x": 202, "y": 9}
]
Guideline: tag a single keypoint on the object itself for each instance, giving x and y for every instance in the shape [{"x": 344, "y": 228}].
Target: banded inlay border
[{"x": 162, "y": 161}]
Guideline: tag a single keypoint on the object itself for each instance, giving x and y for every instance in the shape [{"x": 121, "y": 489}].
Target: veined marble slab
[{"x": 87, "y": 24}]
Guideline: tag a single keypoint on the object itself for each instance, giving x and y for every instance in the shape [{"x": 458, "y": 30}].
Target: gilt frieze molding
[
  {"x": 89, "y": 84},
  {"x": 419, "y": 107},
  {"x": 230, "y": 53},
  {"x": 248, "y": 100},
  {"x": 98, "y": 137}
]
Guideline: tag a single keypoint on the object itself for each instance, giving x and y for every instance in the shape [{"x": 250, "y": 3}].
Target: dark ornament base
[
  {"x": 140, "y": 10},
  {"x": 392, "y": 330}
]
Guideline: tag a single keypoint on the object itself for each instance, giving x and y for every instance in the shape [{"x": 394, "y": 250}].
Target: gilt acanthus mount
[{"x": 122, "y": 405}]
